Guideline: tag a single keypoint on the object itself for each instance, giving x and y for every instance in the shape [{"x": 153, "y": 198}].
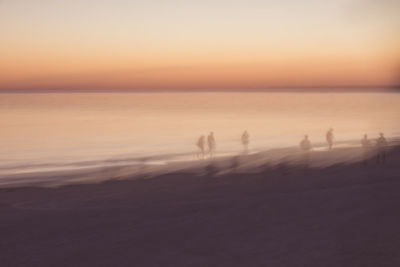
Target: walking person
[
  {"x": 211, "y": 144},
  {"x": 329, "y": 138},
  {"x": 381, "y": 144},
  {"x": 245, "y": 141},
  {"x": 306, "y": 146},
  {"x": 366, "y": 148},
  {"x": 201, "y": 143}
]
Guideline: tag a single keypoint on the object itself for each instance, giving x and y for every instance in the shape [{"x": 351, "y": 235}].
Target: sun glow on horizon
[{"x": 186, "y": 45}]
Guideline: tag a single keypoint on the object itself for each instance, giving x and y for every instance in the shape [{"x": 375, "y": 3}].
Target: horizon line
[{"x": 343, "y": 89}]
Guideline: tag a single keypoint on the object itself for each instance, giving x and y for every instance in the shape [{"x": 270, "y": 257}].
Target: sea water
[{"x": 46, "y": 131}]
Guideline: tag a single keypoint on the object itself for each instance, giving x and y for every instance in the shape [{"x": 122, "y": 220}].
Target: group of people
[
  {"x": 381, "y": 144},
  {"x": 366, "y": 145},
  {"x": 305, "y": 145},
  {"x": 201, "y": 144}
]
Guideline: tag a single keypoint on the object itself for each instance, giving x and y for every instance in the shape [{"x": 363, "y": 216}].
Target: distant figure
[
  {"x": 305, "y": 146},
  {"x": 366, "y": 147},
  {"x": 245, "y": 141},
  {"x": 211, "y": 144},
  {"x": 329, "y": 138},
  {"x": 201, "y": 143},
  {"x": 381, "y": 144}
]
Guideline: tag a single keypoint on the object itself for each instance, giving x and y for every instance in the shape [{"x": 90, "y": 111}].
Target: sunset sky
[{"x": 208, "y": 44}]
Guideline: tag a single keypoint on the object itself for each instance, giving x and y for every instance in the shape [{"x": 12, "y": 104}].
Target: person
[
  {"x": 381, "y": 144},
  {"x": 305, "y": 146},
  {"x": 366, "y": 147},
  {"x": 211, "y": 144},
  {"x": 245, "y": 141},
  {"x": 201, "y": 142},
  {"x": 329, "y": 138}
]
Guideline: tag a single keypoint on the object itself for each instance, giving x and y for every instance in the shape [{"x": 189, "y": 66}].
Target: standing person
[
  {"x": 305, "y": 146},
  {"x": 381, "y": 144},
  {"x": 211, "y": 144},
  {"x": 201, "y": 143},
  {"x": 329, "y": 138},
  {"x": 245, "y": 141},
  {"x": 366, "y": 147}
]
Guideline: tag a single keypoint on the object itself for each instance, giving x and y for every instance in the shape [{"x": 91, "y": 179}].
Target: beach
[
  {"x": 199, "y": 133},
  {"x": 253, "y": 213}
]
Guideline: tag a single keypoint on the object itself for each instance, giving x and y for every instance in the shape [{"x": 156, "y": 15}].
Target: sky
[{"x": 198, "y": 45}]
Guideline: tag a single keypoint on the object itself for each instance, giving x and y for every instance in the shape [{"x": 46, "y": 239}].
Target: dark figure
[
  {"x": 245, "y": 141},
  {"x": 329, "y": 138},
  {"x": 366, "y": 148},
  {"x": 211, "y": 144},
  {"x": 381, "y": 144},
  {"x": 305, "y": 146},
  {"x": 201, "y": 143}
]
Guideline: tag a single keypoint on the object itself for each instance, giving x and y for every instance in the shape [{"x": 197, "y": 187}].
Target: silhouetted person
[
  {"x": 305, "y": 146},
  {"x": 201, "y": 143},
  {"x": 381, "y": 144},
  {"x": 329, "y": 138},
  {"x": 211, "y": 144},
  {"x": 366, "y": 147},
  {"x": 245, "y": 141}
]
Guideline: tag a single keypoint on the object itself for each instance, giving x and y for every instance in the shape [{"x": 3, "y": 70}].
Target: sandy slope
[{"x": 259, "y": 215}]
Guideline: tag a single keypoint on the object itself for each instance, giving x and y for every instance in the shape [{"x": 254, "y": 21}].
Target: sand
[{"x": 271, "y": 209}]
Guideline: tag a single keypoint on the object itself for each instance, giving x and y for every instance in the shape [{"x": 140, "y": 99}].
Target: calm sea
[{"x": 42, "y": 130}]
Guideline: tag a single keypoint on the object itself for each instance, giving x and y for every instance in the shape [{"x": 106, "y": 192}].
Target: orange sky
[{"x": 180, "y": 45}]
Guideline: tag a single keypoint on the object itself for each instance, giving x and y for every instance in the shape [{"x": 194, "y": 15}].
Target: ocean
[{"x": 50, "y": 131}]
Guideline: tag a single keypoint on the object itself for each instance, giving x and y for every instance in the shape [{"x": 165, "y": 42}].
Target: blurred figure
[
  {"x": 211, "y": 144},
  {"x": 201, "y": 143},
  {"x": 381, "y": 144},
  {"x": 245, "y": 141},
  {"x": 305, "y": 146},
  {"x": 329, "y": 138},
  {"x": 366, "y": 148}
]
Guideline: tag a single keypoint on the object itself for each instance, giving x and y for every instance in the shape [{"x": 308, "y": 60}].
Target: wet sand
[{"x": 261, "y": 213}]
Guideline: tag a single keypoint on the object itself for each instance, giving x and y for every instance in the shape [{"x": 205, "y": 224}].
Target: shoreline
[{"x": 117, "y": 169}]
